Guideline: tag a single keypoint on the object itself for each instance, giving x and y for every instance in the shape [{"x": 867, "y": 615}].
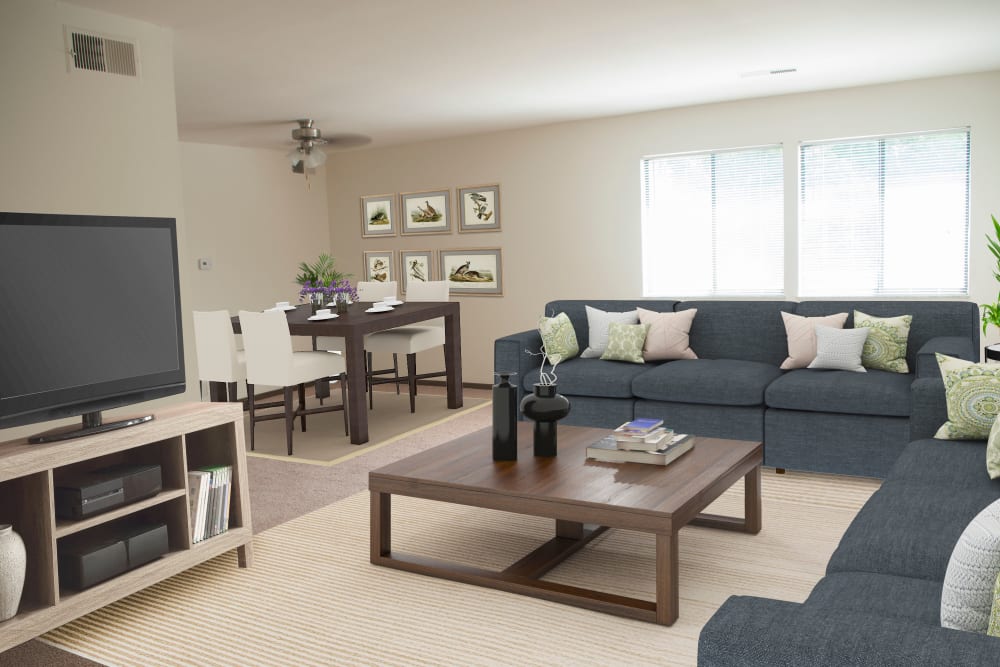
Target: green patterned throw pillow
[
  {"x": 625, "y": 342},
  {"x": 885, "y": 348},
  {"x": 994, "y": 628},
  {"x": 972, "y": 392},
  {"x": 993, "y": 450},
  {"x": 558, "y": 338}
]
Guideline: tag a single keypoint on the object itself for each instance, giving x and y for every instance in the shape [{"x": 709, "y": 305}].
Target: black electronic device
[
  {"x": 93, "y": 318},
  {"x": 95, "y": 556},
  {"x": 90, "y": 493}
]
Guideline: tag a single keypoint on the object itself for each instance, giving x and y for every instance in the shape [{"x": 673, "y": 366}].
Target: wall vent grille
[{"x": 97, "y": 53}]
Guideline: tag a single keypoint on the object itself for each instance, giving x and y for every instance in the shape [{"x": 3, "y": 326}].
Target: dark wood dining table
[{"x": 355, "y": 324}]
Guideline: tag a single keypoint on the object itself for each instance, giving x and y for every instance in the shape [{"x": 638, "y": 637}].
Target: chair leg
[
  {"x": 343, "y": 400},
  {"x": 395, "y": 370},
  {"x": 302, "y": 405},
  {"x": 289, "y": 416},
  {"x": 411, "y": 376},
  {"x": 368, "y": 382},
  {"x": 250, "y": 408},
  {"x": 232, "y": 392}
]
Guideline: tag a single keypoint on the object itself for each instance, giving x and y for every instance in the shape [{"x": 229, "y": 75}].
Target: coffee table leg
[
  {"x": 667, "y": 593},
  {"x": 381, "y": 525},
  {"x": 751, "y": 501}
]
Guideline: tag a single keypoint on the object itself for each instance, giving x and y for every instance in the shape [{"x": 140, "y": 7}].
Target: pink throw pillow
[
  {"x": 668, "y": 335},
  {"x": 801, "y": 333}
]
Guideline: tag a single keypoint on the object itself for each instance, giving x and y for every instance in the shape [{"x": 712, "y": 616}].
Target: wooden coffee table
[{"x": 575, "y": 492}]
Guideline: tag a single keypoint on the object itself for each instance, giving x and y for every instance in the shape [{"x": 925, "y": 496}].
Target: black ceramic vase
[
  {"x": 545, "y": 407},
  {"x": 505, "y": 419}
]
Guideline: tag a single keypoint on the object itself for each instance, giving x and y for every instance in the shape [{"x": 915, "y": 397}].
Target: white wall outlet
[{"x": 204, "y": 263}]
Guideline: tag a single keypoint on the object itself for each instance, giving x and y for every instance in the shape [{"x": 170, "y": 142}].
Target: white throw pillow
[
  {"x": 839, "y": 349},
  {"x": 967, "y": 595},
  {"x": 599, "y": 322}
]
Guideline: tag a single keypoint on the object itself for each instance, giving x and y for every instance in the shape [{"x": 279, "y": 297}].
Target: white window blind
[
  {"x": 885, "y": 216},
  {"x": 713, "y": 223}
]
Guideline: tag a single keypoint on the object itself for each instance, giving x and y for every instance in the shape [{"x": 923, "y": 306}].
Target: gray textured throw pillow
[
  {"x": 599, "y": 322},
  {"x": 839, "y": 349},
  {"x": 967, "y": 595}
]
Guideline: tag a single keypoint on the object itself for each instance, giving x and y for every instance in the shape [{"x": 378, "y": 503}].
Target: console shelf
[{"x": 179, "y": 439}]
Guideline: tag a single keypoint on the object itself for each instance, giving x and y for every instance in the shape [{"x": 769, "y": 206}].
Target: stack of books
[
  {"x": 209, "y": 491},
  {"x": 641, "y": 441}
]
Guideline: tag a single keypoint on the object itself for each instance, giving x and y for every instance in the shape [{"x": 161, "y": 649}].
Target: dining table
[{"x": 357, "y": 323}]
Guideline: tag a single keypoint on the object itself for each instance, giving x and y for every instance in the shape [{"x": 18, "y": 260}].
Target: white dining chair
[
  {"x": 271, "y": 361},
  {"x": 215, "y": 348},
  {"x": 411, "y": 339},
  {"x": 370, "y": 290}
]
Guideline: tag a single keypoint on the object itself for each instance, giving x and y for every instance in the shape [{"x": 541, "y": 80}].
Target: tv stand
[
  {"x": 181, "y": 438},
  {"x": 93, "y": 422}
]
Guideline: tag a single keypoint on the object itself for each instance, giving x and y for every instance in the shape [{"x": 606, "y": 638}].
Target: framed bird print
[
  {"x": 378, "y": 215},
  {"x": 479, "y": 209},
  {"x": 378, "y": 266},
  {"x": 476, "y": 271},
  {"x": 415, "y": 266},
  {"x": 426, "y": 212}
]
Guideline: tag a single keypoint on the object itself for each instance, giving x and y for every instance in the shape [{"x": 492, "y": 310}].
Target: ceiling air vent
[{"x": 98, "y": 53}]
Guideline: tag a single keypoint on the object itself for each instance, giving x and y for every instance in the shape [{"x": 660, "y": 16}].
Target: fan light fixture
[{"x": 307, "y": 156}]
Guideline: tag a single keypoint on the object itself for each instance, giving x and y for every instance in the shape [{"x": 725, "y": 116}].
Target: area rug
[
  {"x": 313, "y": 598},
  {"x": 324, "y": 442}
]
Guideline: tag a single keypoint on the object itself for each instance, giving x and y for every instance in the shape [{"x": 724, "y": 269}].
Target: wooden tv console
[{"x": 179, "y": 439}]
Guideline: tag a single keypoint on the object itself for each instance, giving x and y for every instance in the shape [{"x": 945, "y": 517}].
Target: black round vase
[{"x": 545, "y": 407}]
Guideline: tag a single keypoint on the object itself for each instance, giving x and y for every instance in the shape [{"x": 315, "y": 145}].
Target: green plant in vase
[{"x": 991, "y": 311}]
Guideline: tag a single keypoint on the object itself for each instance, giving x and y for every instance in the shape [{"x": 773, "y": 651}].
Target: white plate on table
[
  {"x": 320, "y": 318},
  {"x": 393, "y": 303},
  {"x": 379, "y": 310},
  {"x": 284, "y": 309}
]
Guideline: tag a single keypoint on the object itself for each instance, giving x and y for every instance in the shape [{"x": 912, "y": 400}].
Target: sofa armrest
[
  {"x": 773, "y": 633},
  {"x": 928, "y": 407},
  {"x": 509, "y": 356},
  {"x": 953, "y": 346}
]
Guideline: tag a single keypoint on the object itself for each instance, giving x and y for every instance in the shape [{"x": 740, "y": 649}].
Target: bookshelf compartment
[
  {"x": 26, "y": 504},
  {"x": 164, "y": 453}
]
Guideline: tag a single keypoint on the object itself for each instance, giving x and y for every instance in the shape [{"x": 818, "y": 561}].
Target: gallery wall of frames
[{"x": 470, "y": 271}]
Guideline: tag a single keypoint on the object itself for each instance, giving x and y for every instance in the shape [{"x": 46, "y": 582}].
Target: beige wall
[
  {"x": 85, "y": 142},
  {"x": 570, "y": 193}
]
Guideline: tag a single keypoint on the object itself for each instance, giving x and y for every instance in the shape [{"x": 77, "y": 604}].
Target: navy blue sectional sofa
[
  {"x": 815, "y": 420},
  {"x": 880, "y": 601}
]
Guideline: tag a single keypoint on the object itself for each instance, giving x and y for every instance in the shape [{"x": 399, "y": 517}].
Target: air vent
[
  {"x": 767, "y": 72},
  {"x": 99, "y": 53}
]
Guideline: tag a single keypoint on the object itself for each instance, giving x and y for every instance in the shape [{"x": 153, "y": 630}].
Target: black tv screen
[{"x": 90, "y": 314}]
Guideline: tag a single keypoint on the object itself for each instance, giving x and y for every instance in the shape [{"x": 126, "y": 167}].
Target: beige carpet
[
  {"x": 313, "y": 598},
  {"x": 324, "y": 442}
]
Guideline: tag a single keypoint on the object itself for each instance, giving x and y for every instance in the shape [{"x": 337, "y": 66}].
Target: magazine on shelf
[
  {"x": 606, "y": 450},
  {"x": 198, "y": 488},
  {"x": 215, "y": 491}
]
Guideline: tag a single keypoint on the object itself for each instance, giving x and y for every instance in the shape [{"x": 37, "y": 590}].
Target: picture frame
[
  {"x": 478, "y": 208},
  {"x": 426, "y": 212},
  {"x": 415, "y": 265},
  {"x": 379, "y": 266},
  {"x": 378, "y": 215},
  {"x": 472, "y": 271}
]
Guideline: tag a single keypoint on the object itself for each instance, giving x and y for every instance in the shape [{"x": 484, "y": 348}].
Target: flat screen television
[{"x": 90, "y": 318}]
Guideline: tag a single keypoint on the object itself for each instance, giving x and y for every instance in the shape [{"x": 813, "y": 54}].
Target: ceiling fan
[{"x": 307, "y": 155}]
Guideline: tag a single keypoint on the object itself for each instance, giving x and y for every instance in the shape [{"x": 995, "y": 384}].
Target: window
[
  {"x": 713, "y": 223},
  {"x": 885, "y": 216}
]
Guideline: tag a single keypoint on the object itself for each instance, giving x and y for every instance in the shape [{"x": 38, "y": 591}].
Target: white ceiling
[{"x": 413, "y": 70}]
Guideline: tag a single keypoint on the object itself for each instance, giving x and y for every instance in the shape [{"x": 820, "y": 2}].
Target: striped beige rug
[{"x": 313, "y": 598}]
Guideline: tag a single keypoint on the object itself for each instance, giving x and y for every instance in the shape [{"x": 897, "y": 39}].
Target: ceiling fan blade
[{"x": 346, "y": 140}]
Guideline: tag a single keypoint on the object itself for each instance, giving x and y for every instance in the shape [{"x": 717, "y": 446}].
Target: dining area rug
[
  {"x": 325, "y": 443},
  {"x": 313, "y": 598}
]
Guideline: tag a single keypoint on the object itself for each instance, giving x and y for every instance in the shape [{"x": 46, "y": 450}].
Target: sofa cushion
[
  {"x": 839, "y": 349},
  {"x": 885, "y": 347},
  {"x": 801, "y": 334},
  {"x": 993, "y": 451},
  {"x": 882, "y": 594},
  {"x": 973, "y": 394},
  {"x": 845, "y": 392},
  {"x": 707, "y": 381},
  {"x": 591, "y": 377},
  {"x": 669, "y": 335},
  {"x": 746, "y": 330},
  {"x": 558, "y": 338},
  {"x": 907, "y": 528},
  {"x": 576, "y": 310},
  {"x": 947, "y": 464}
]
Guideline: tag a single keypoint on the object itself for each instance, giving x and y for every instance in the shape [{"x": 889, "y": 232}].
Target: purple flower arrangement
[{"x": 337, "y": 290}]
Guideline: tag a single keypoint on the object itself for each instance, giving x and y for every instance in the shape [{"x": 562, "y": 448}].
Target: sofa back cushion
[
  {"x": 576, "y": 310},
  {"x": 930, "y": 318},
  {"x": 745, "y": 330}
]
